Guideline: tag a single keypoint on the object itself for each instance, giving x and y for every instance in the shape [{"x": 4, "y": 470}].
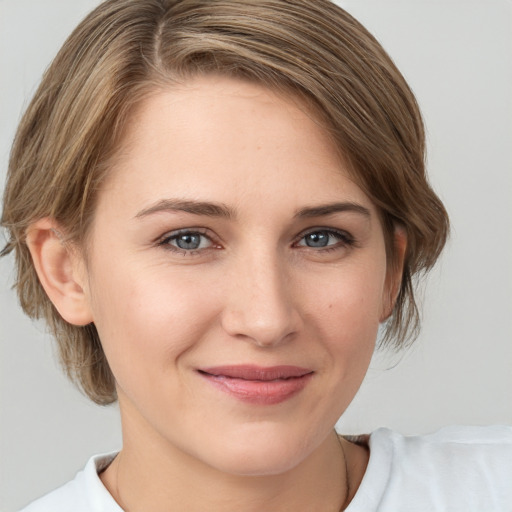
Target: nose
[{"x": 259, "y": 305}]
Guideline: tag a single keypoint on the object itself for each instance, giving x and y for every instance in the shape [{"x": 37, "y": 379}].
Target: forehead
[{"x": 217, "y": 136}]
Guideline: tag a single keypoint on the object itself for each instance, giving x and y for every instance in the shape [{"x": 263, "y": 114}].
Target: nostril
[
  {"x": 263, "y": 326},
  {"x": 260, "y": 306}
]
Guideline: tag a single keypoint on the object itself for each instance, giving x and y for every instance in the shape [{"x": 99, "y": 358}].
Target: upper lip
[{"x": 253, "y": 372}]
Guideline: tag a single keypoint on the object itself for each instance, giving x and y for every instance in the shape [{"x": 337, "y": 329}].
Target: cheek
[
  {"x": 347, "y": 317},
  {"x": 342, "y": 321},
  {"x": 348, "y": 302},
  {"x": 153, "y": 316}
]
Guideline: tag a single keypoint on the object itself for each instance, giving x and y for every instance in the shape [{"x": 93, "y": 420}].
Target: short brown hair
[{"x": 125, "y": 49}]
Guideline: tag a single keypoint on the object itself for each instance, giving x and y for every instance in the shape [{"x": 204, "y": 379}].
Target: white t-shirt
[{"x": 458, "y": 469}]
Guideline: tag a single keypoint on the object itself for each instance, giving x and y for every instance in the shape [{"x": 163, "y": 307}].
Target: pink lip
[{"x": 256, "y": 384}]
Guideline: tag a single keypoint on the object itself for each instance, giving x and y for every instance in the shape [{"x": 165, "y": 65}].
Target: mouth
[{"x": 256, "y": 384}]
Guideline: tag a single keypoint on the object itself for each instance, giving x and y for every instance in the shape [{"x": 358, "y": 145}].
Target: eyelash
[
  {"x": 174, "y": 235},
  {"x": 345, "y": 240}
]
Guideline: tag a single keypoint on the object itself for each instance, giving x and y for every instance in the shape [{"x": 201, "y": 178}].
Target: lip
[{"x": 257, "y": 384}]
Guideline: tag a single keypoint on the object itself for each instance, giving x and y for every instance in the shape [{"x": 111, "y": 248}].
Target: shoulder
[
  {"x": 85, "y": 493},
  {"x": 495, "y": 441},
  {"x": 457, "y": 469}
]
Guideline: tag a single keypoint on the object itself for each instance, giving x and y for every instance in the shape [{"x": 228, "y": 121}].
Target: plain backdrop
[{"x": 457, "y": 56}]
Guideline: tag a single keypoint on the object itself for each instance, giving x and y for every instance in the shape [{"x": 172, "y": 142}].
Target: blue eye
[
  {"x": 187, "y": 241},
  {"x": 324, "y": 239},
  {"x": 318, "y": 239}
]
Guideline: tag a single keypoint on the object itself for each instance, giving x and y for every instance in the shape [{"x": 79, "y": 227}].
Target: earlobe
[
  {"x": 57, "y": 266},
  {"x": 395, "y": 272}
]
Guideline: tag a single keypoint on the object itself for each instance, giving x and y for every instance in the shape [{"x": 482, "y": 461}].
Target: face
[{"x": 236, "y": 276}]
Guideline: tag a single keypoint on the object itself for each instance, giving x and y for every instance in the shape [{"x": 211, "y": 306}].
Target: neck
[{"x": 157, "y": 480}]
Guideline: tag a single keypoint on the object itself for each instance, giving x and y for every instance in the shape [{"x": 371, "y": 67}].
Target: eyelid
[
  {"x": 181, "y": 231},
  {"x": 344, "y": 237},
  {"x": 163, "y": 241}
]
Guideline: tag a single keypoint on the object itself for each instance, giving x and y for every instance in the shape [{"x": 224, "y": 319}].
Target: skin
[{"x": 253, "y": 292}]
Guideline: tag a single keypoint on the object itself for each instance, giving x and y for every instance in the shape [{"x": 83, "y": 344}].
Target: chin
[
  {"x": 262, "y": 454},
  {"x": 266, "y": 463}
]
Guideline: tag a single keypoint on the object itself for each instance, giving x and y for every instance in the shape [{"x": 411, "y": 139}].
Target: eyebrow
[
  {"x": 209, "y": 209},
  {"x": 195, "y": 207},
  {"x": 328, "y": 209}
]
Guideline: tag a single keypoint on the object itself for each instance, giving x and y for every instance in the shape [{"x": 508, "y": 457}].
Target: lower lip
[{"x": 259, "y": 391}]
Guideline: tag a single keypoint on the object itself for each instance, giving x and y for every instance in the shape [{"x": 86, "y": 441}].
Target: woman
[{"x": 214, "y": 212}]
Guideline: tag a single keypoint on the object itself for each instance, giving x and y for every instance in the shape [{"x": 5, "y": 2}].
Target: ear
[
  {"x": 394, "y": 273},
  {"x": 61, "y": 271}
]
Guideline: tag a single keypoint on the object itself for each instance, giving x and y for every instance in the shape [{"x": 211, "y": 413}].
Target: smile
[{"x": 258, "y": 385}]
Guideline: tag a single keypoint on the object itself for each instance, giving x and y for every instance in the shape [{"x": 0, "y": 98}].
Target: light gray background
[{"x": 456, "y": 54}]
